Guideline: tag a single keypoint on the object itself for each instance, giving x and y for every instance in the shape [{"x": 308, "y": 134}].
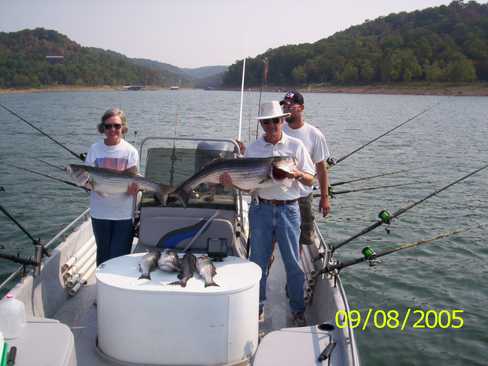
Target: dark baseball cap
[{"x": 292, "y": 96}]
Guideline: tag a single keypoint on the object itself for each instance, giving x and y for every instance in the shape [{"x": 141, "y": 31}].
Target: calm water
[{"x": 440, "y": 146}]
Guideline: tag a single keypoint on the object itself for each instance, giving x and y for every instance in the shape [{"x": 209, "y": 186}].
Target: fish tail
[
  {"x": 162, "y": 194},
  {"x": 211, "y": 284},
  {"x": 183, "y": 195}
]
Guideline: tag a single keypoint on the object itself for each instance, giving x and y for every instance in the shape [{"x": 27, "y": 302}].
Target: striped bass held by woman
[
  {"x": 247, "y": 174},
  {"x": 108, "y": 182}
]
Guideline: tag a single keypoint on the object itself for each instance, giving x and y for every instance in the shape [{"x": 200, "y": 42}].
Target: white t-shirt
[
  {"x": 314, "y": 142},
  {"x": 118, "y": 157},
  {"x": 287, "y": 146}
]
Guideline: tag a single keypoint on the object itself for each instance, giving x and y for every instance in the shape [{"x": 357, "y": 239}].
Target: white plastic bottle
[
  {"x": 2, "y": 344},
  {"x": 12, "y": 316}
]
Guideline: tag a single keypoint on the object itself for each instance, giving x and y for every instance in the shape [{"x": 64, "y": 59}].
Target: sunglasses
[
  {"x": 110, "y": 126},
  {"x": 268, "y": 121}
]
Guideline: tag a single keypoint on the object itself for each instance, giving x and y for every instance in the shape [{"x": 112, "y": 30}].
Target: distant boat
[
  {"x": 174, "y": 87},
  {"x": 133, "y": 87}
]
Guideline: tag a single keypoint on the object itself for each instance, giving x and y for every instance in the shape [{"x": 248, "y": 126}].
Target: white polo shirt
[
  {"x": 315, "y": 143},
  {"x": 287, "y": 146}
]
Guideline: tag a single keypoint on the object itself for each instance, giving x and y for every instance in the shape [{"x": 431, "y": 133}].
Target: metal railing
[{"x": 68, "y": 227}]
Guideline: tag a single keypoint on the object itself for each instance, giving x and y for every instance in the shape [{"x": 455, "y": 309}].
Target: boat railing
[
  {"x": 326, "y": 251},
  {"x": 54, "y": 240},
  {"x": 323, "y": 247}
]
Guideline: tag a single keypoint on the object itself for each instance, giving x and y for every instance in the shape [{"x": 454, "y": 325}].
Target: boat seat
[
  {"x": 294, "y": 346},
  {"x": 164, "y": 227}
]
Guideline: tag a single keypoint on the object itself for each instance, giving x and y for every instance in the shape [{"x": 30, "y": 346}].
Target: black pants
[{"x": 113, "y": 237}]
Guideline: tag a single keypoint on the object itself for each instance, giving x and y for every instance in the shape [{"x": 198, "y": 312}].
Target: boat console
[{"x": 153, "y": 322}]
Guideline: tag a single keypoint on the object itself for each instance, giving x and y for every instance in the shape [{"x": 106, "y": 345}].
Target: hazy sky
[{"x": 192, "y": 33}]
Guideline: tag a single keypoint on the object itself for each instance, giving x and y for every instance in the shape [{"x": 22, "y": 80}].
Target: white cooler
[{"x": 151, "y": 322}]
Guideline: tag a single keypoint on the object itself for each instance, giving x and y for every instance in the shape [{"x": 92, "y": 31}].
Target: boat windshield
[{"x": 173, "y": 165}]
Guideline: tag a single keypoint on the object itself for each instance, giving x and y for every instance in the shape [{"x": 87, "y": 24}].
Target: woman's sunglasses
[
  {"x": 109, "y": 126},
  {"x": 268, "y": 121}
]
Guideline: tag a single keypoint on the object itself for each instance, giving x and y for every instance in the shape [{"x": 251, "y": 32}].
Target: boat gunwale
[{"x": 20, "y": 268}]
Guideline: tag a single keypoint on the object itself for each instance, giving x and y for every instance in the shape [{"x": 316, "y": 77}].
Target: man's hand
[
  {"x": 324, "y": 205},
  {"x": 226, "y": 180}
]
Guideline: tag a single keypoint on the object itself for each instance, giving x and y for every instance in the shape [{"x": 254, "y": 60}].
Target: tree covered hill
[
  {"x": 440, "y": 44},
  {"x": 197, "y": 76},
  {"x": 26, "y": 61}
]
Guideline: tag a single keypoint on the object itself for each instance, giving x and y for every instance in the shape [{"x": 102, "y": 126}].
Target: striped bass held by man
[{"x": 248, "y": 174}]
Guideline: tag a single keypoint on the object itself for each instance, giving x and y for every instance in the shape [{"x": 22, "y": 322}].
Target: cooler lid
[{"x": 234, "y": 274}]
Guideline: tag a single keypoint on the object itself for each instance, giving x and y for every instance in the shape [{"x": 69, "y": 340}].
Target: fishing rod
[
  {"x": 78, "y": 156},
  {"x": 335, "y": 162},
  {"x": 242, "y": 99},
  {"x": 49, "y": 176},
  {"x": 173, "y": 151},
  {"x": 370, "y": 177},
  {"x": 371, "y": 256},
  {"x": 386, "y": 217},
  {"x": 333, "y": 193},
  {"x": 263, "y": 81},
  {"x": 39, "y": 252}
]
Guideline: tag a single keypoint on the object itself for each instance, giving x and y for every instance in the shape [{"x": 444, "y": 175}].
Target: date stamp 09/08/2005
[{"x": 393, "y": 319}]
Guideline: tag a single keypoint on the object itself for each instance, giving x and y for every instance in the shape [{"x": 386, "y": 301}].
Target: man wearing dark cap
[{"x": 316, "y": 146}]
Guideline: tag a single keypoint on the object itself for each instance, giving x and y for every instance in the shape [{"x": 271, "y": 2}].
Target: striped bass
[
  {"x": 247, "y": 174},
  {"x": 107, "y": 181}
]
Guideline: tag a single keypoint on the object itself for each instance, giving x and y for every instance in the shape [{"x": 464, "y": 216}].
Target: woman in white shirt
[{"x": 112, "y": 216}]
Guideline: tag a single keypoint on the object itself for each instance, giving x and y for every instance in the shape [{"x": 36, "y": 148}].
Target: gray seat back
[{"x": 173, "y": 227}]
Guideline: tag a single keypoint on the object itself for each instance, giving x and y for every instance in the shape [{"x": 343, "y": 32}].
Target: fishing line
[
  {"x": 370, "y": 177},
  {"x": 263, "y": 81},
  {"x": 78, "y": 156},
  {"x": 386, "y": 217},
  {"x": 384, "y": 134},
  {"x": 333, "y": 193},
  {"x": 173, "y": 152},
  {"x": 52, "y": 165},
  {"x": 48, "y": 176}
]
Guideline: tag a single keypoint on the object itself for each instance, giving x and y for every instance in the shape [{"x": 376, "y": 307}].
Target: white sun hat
[{"x": 270, "y": 110}]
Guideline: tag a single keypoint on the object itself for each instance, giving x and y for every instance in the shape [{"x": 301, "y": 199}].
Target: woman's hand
[
  {"x": 133, "y": 189},
  {"x": 226, "y": 180}
]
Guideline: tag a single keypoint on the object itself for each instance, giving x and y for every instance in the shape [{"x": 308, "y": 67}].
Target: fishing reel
[
  {"x": 370, "y": 255},
  {"x": 331, "y": 161},
  {"x": 385, "y": 217},
  {"x": 331, "y": 192}
]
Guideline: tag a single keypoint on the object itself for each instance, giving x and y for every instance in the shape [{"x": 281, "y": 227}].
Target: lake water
[{"x": 440, "y": 146}]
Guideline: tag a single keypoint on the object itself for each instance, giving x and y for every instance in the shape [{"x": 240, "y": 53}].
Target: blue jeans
[
  {"x": 113, "y": 237},
  {"x": 268, "y": 222}
]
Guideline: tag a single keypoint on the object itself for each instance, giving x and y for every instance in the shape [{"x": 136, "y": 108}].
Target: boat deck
[{"x": 80, "y": 314}]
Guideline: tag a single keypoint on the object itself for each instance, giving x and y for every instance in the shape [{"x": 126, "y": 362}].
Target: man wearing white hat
[{"x": 276, "y": 214}]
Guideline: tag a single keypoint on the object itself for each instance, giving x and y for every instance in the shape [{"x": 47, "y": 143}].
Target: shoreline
[{"x": 440, "y": 89}]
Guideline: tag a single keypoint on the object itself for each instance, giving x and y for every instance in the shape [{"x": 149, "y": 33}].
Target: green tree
[{"x": 299, "y": 74}]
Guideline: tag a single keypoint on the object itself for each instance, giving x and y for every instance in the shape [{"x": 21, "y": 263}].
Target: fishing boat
[
  {"x": 133, "y": 87},
  {"x": 81, "y": 315}
]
